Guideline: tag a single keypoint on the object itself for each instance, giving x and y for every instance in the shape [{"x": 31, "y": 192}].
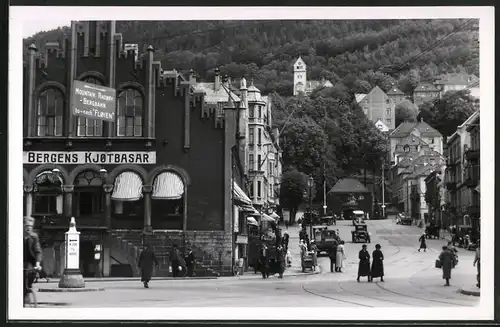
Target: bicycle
[{"x": 30, "y": 300}]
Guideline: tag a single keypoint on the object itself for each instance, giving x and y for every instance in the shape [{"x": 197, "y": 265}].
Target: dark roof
[
  {"x": 395, "y": 91},
  {"x": 457, "y": 79},
  {"x": 349, "y": 185},
  {"x": 405, "y": 128},
  {"x": 426, "y": 87}
]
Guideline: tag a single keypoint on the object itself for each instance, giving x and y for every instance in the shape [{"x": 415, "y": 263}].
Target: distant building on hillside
[
  {"x": 424, "y": 92},
  {"x": 378, "y": 106},
  {"x": 455, "y": 82},
  {"x": 396, "y": 95},
  {"x": 300, "y": 83}
]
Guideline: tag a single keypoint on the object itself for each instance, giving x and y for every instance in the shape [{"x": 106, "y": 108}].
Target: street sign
[{"x": 93, "y": 101}]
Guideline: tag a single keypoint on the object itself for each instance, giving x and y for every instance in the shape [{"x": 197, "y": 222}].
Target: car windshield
[{"x": 329, "y": 234}]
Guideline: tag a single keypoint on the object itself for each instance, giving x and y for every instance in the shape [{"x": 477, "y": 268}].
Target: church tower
[{"x": 299, "y": 77}]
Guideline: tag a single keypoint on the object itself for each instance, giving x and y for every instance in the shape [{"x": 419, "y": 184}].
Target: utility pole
[
  {"x": 324, "y": 189},
  {"x": 383, "y": 189}
]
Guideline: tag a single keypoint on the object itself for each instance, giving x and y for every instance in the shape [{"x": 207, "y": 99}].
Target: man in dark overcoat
[
  {"x": 281, "y": 261},
  {"x": 175, "y": 260},
  {"x": 447, "y": 259},
  {"x": 264, "y": 262},
  {"x": 190, "y": 263},
  {"x": 146, "y": 260},
  {"x": 32, "y": 256},
  {"x": 332, "y": 254},
  {"x": 364, "y": 264}
]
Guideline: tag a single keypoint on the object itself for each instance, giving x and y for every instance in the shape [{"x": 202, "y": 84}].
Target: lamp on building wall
[{"x": 103, "y": 173}]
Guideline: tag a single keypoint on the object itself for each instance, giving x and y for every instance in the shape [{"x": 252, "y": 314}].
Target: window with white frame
[
  {"x": 49, "y": 114},
  {"x": 130, "y": 113}
]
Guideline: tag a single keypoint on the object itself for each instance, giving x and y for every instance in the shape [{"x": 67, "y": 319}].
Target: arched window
[
  {"x": 167, "y": 204},
  {"x": 49, "y": 119},
  {"x": 89, "y": 195},
  {"x": 89, "y": 126},
  {"x": 130, "y": 113},
  {"x": 48, "y": 198}
]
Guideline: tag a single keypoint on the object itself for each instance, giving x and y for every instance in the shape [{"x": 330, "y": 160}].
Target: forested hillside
[
  {"x": 327, "y": 128},
  {"x": 356, "y": 53}
]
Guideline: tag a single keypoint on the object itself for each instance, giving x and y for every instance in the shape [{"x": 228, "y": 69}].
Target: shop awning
[
  {"x": 252, "y": 221},
  {"x": 274, "y": 215},
  {"x": 168, "y": 186},
  {"x": 240, "y": 196},
  {"x": 128, "y": 187},
  {"x": 267, "y": 218},
  {"x": 246, "y": 208}
]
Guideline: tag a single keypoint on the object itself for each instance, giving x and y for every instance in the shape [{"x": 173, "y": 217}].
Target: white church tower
[{"x": 299, "y": 77}]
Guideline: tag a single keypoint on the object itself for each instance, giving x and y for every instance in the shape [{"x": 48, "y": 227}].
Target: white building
[{"x": 300, "y": 83}]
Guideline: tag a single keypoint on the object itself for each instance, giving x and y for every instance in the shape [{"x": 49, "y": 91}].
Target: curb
[
  {"x": 470, "y": 292},
  {"x": 69, "y": 290},
  {"x": 134, "y": 279}
]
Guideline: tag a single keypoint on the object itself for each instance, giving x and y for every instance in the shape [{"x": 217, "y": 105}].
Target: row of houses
[{"x": 184, "y": 161}]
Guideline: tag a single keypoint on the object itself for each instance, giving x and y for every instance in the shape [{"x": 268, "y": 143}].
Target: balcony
[{"x": 472, "y": 155}]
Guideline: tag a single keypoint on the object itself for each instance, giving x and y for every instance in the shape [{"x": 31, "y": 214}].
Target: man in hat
[
  {"x": 190, "y": 262},
  {"x": 32, "y": 254}
]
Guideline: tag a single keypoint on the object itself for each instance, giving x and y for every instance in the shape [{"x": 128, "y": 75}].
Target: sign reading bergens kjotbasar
[
  {"x": 93, "y": 101},
  {"x": 89, "y": 157}
]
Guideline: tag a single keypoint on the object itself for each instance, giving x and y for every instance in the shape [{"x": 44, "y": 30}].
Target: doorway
[{"x": 87, "y": 261}]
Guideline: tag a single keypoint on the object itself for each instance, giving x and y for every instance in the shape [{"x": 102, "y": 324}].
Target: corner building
[{"x": 161, "y": 173}]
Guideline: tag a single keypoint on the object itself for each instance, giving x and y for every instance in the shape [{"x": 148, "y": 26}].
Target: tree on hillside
[
  {"x": 405, "y": 111},
  {"x": 409, "y": 81},
  {"x": 447, "y": 113},
  {"x": 292, "y": 191}
]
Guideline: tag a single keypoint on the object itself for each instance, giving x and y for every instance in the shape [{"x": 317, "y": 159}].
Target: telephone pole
[{"x": 383, "y": 188}]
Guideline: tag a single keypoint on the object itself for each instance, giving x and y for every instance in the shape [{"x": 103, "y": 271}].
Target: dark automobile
[
  {"x": 432, "y": 231},
  {"x": 360, "y": 234},
  {"x": 325, "y": 238}
]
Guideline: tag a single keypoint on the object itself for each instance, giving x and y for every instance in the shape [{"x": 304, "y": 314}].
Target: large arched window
[
  {"x": 89, "y": 126},
  {"x": 167, "y": 204},
  {"x": 89, "y": 195},
  {"x": 130, "y": 113},
  {"x": 48, "y": 198},
  {"x": 49, "y": 119}
]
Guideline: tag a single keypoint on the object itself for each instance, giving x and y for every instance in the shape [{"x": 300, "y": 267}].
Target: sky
[{"x": 31, "y": 27}]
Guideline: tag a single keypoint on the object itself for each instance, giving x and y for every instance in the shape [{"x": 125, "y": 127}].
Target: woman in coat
[
  {"x": 314, "y": 250},
  {"x": 340, "y": 257},
  {"x": 447, "y": 260},
  {"x": 378, "y": 264},
  {"x": 264, "y": 262},
  {"x": 422, "y": 243},
  {"x": 364, "y": 264},
  {"x": 146, "y": 260}
]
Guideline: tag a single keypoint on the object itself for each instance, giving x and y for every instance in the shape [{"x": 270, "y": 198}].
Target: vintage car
[
  {"x": 360, "y": 234},
  {"x": 403, "y": 220},
  {"x": 432, "y": 231},
  {"x": 358, "y": 217},
  {"x": 325, "y": 238},
  {"x": 327, "y": 220}
]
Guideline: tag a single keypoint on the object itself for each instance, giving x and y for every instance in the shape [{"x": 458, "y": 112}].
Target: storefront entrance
[{"x": 89, "y": 267}]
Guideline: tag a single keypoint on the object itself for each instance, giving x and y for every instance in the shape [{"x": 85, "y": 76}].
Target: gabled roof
[
  {"x": 456, "y": 79},
  {"x": 349, "y": 185},
  {"x": 473, "y": 84},
  {"x": 405, "y": 128},
  {"x": 299, "y": 61},
  {"x": 381, "y": 126},
  {"x": 395, "y": 91}
]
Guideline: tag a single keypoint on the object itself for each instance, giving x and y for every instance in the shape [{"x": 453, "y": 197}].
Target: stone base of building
[{"x": 71, "y": 278}]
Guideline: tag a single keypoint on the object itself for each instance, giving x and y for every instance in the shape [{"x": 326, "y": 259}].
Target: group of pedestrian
[
  {"x": 269, "y": 263},
  {"x": 337, "y": 257},
  {"x": 377, "y": 266},
  {"x": 147, "y": 259}
]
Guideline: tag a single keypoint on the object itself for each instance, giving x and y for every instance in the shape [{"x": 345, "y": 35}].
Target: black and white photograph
[{"x": 251, "y": 163}]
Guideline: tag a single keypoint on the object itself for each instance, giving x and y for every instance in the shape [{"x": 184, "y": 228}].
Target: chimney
[
  {"x": 192, "y": 77},
  {"x": 243, "y": 124},
  {"x": 217, "y": 80}
]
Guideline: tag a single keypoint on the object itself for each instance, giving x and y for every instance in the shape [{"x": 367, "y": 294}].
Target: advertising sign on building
[
  {"x": 93, "y": 101},
  {"x": 89, "y": 157}
]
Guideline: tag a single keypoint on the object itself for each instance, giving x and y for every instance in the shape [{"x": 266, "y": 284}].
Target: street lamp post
[{"x": 310, "y": 182}]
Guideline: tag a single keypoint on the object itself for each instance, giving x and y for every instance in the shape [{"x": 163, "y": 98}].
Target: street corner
[{"x": 471, "y": 290}]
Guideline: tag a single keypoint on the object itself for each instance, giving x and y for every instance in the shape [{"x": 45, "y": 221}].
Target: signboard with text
[
  {"x": 89, "y": 157},
  {"x": 93, "y": 101}
]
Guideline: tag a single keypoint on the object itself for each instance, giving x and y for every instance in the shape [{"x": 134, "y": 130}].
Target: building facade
[
  {"x": 462, "y": 172},
  {"x": 161, "y": 172},
  {"x": 396, "y": 95},
  {"x": 300, "y": 83},
  {"x": 425, "y": 92},
  {"x": 377, "y": 105}
]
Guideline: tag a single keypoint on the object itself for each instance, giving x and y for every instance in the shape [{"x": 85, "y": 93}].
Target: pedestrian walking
[
  {"x": 378, "y": 263},
  {"x": 332, "y": 254},
  {"x": 281, "y": 261},
  {"x": 32, "y": 256},
  {"x": 175, "y": 260},
  {"x": 477, "y": 259},
  {"x": 241, "y": 266},
  {"x": 288, "y": 259},
  {"x": 286, "y": 240},
  {"x": 340, "y": 258},
  {"x": 146, "y": 260},
  {"x": 335, "y": 220},
  {"x": 314, "y": 250},
  {"x": 423, "y": 245},
  {"x": 190, "y": 263},
  {"x": 447, "y": 261},
  {"x": 264, "y": 262},
  {"x": 364, "y": 264},
  {"x": 286, "y": 224}
]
